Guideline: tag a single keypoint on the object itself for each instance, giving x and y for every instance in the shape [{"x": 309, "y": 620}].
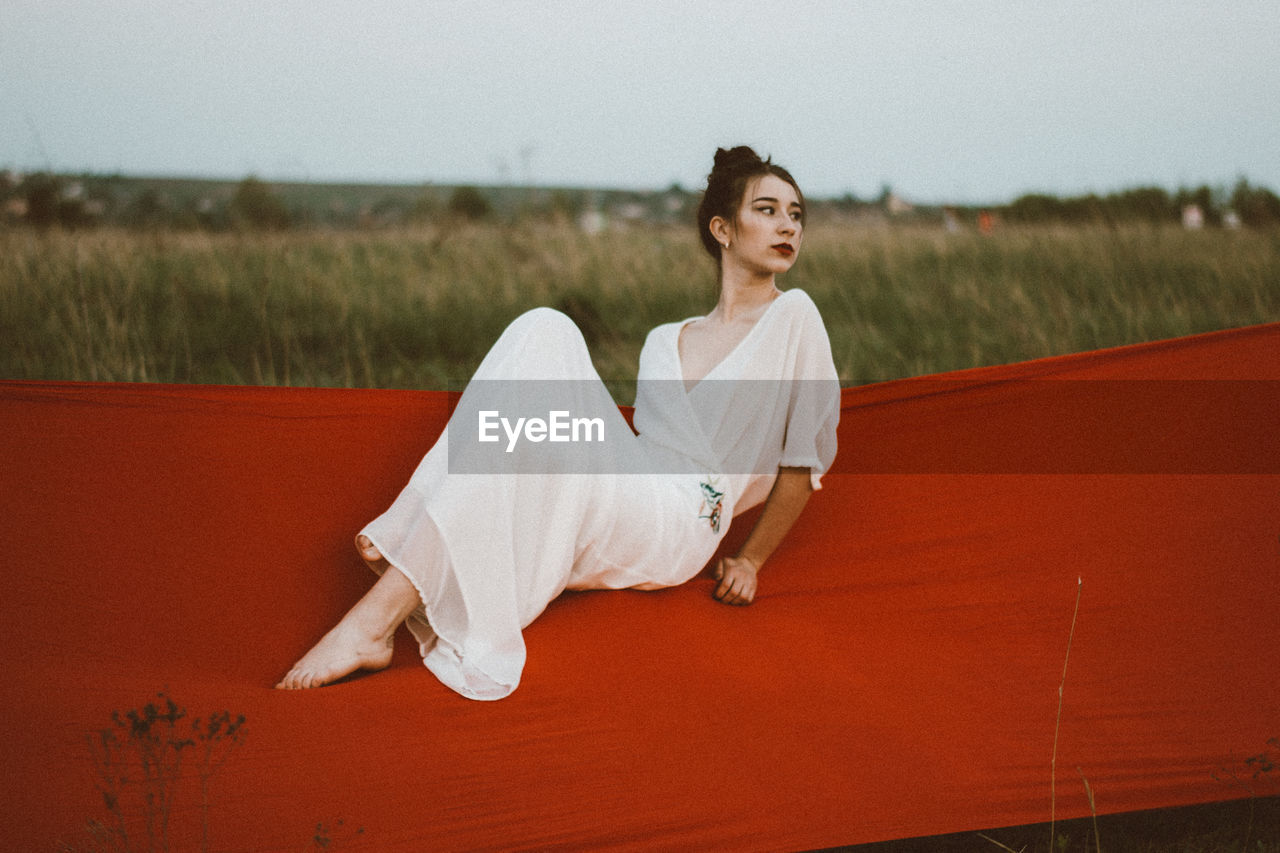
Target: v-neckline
[{"x": 688, "y": 389}]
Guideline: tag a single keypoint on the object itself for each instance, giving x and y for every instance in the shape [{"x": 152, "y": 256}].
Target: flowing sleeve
[{"x": 813, "y": 411}]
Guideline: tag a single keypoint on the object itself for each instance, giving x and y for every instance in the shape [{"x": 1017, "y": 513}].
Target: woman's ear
[{"x": 720, "y": 230}]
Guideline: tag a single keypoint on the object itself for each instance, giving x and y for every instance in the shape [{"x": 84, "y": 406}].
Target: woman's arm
[{"x": 737, "y": 575}]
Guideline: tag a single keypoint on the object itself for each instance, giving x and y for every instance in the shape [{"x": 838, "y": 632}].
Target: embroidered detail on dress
[{"x": 711, "y": 501}]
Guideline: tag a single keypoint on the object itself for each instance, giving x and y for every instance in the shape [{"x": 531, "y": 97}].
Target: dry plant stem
[
  {"x": 1093, "y": 810},
  {"x": 998, "y": 844},
  {"x": 1053, "y": 765},
  {"x": 220, "y": 730},
  {"x": 109, "y": 782}
]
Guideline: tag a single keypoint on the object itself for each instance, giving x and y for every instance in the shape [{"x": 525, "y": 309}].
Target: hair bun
[{"x": 735, "y": 158}]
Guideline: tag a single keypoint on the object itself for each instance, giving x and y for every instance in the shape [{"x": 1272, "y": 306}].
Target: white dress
[{"x": 490, "y": 532}]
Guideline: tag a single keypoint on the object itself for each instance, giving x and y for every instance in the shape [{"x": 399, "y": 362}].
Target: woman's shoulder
[
  {"x": 671, "y": 328},
  {"x": 794, "y": 304},
  {"x": 798, "y": 298},
  {"x": 660, "y": 339},
  {"x": 799, "y": 307}
]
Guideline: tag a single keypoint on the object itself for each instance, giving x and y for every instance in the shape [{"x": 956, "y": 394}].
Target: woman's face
[{"x": 767, "y": 231}]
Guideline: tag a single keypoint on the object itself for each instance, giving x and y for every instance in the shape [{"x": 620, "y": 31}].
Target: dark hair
[{"x": 733, "y": 169}]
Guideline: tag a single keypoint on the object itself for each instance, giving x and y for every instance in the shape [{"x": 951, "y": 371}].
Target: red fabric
[{"x": 898, "y": 675}]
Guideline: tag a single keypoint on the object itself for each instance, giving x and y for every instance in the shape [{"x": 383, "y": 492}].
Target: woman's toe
[{"x": 367, "y": 549}]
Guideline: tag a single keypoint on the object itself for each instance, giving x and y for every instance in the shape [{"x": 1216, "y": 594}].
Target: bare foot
[
  {"x": 365, "y": 637},
  {"x": 342, "y": 651}
]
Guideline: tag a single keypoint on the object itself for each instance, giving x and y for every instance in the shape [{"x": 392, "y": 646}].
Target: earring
[{"x": 726, "y": 244}]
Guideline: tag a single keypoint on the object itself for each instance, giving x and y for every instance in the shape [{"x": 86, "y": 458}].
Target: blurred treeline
[
  {"x": 45, "y": 200},
  {"x": 1244, "y": 204}
]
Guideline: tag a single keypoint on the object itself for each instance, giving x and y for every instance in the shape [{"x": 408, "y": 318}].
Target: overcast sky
[{"x": 945, "y": 101}]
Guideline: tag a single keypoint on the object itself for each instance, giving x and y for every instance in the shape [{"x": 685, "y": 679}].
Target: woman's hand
[{"x": 737, "y": 576}]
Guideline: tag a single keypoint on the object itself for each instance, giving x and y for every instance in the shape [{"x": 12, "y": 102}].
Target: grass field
[{"x": 418, "y": 308}]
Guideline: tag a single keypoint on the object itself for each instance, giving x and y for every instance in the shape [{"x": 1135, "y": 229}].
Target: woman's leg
[
  {"x": 363, "y": 639},
  {"x": 541, "y": 344}
]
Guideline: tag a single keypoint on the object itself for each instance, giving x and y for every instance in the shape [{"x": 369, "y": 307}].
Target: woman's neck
[{"x": 742, "y": 295}]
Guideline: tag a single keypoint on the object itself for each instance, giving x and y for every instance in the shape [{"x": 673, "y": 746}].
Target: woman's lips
[{"x": 784, "y": 249}]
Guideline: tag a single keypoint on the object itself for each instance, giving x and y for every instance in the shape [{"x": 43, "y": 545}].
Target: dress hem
[{"x": 454, "y": 673}]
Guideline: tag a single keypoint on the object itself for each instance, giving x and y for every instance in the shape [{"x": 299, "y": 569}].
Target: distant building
[
  {"x": 592, "y": 221},
  {"x": 897, "y": 205},
  {"x": 1192, "y": 217},
  {"x": 632, "y": 211}
]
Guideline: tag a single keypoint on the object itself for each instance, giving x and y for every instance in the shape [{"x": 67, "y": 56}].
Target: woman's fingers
[
  {"x": 737, "y": 581},
  {"x": 736, "y": 587},
  {"x": 725, "y": 591}
]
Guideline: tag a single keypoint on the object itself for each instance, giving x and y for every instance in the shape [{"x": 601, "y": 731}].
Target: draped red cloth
[{"x": 898, "y": 676}]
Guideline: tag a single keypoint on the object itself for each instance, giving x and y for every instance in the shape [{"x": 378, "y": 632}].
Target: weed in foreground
[
  {"x": 1253, "y": 773},
  {"x": 138, "y": 762},
  {"x": 329, "y": 837}
]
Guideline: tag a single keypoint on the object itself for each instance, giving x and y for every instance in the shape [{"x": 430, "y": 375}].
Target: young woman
[{"x": 732, "y": 409}]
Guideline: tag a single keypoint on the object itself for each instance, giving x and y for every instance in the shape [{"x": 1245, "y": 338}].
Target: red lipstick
[{"x": 784, "y": 249}]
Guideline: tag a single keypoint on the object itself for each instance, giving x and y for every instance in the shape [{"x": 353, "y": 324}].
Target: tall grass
[{"x": 418, "y": 308}]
